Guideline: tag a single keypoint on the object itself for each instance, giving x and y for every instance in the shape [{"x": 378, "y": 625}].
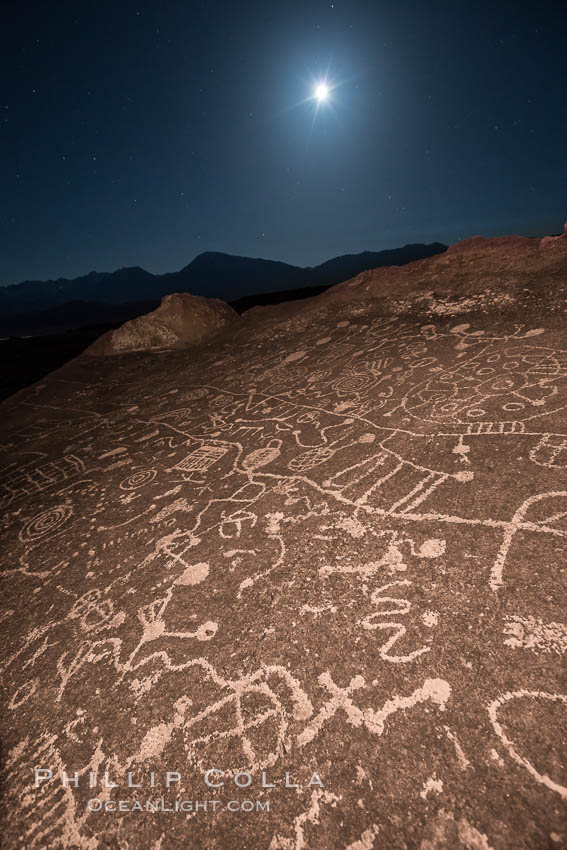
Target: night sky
[{"x": 145, "y": 133}]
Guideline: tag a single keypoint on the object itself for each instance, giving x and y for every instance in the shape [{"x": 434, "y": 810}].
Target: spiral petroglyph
[
  {"x": 46, "y": 523},
  {"x": 138, "y": 479}
]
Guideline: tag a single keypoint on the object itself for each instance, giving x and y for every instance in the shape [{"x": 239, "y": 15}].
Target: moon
[{"x": 321, "y": 92}]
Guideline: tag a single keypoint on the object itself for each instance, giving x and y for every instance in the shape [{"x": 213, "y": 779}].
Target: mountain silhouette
[{"x": 36, "y": 307}]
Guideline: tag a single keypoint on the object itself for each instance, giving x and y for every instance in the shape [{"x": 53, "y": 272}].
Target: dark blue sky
[{"x": 144, "y": 133}]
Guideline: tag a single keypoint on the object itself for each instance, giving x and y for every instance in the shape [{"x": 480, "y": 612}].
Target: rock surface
[
  {"x": 181, "y": 320},
  {"x": 486, "y": 275},
  {"x": 331, "y": 546}
]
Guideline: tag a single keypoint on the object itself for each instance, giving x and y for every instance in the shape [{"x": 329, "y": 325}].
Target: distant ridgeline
[{"x": 40, "y": 307}]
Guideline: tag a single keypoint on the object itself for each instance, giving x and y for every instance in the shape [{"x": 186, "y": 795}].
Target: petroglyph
[
  {"x": 432, "y": 786},
  {"x": 56, "y": 819},
  {"x": 553, "y": 522},
  {"x": 386, "y": 606},
  {"x": 366, "y": 840},
  {"x": 445, "y": 831},
  {"x": 550, "y": 451},
  {"x": 312, "y": 815},
  {"x": 138, "y": 479},
  {"x": 242, "y": 723},
  {"x": 532, "y": 633},
  {"x": 201, "y": 459},
  {"x": 436, "y": 691},
  {"x": 509, "y": 701},
  {"x": 16, "y": 483},
  {"x": 46, "y": 524}
]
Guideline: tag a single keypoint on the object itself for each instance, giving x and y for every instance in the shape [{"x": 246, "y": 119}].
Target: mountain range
[{"x": 38, "y": 307}]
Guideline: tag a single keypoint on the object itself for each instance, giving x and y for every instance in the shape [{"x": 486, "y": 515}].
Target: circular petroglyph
[
  {"x": 504, "y": 384},
  {"x": 193, "y": 395},
  {"x": 261, "y": 457},
  {"x": 352, "y": 383},
  {"x": 247, "y": 715},
  {"x": 207, "y": 630},
  {"x": 138, "y": 479},
  {"x": 220, "y": 400},
  {"x": 449, "y": 407},
  {"x": 367, "y": 438},
  {"x": 45, "y": 523},
  {"x": 311, "y": 458},
  {"x": 530, "y": 698},
  {"x": 92, "y": 609}
]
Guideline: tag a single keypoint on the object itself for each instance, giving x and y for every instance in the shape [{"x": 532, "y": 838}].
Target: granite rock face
[
  {"x": 477, "y": 274},
  {"x": 181, "y": 320},
  {"x": 508, "y": 263},
  {"x": 301, "y": 588}
]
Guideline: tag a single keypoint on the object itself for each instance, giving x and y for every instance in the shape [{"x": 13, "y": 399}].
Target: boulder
[{"x": 181, "y": 320}]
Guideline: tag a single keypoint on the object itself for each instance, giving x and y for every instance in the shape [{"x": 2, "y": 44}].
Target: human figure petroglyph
[
  {"x": 100, "y": 625},
  {"x": 154, "y": 628}
]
